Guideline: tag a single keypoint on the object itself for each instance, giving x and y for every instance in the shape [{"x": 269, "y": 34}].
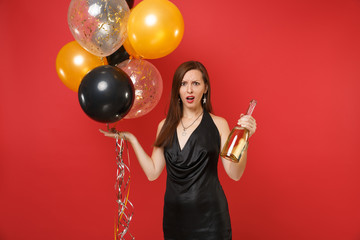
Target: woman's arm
[
  {"x": 152, "y": 166},
  {"x": 235, "y": 170}
]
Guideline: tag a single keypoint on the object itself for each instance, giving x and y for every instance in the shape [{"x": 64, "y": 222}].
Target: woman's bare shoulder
[
  {"x": 220, "y": 122},
  {"x": 160, "y": 125}
]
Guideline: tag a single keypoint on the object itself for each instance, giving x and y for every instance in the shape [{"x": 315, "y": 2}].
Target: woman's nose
[{"x": 189, "y": 88}]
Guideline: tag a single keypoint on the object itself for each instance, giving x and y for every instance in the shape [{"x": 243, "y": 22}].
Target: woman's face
[{"x": 192, "y": 89}]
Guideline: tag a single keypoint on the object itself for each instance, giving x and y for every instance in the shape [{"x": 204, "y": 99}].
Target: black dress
[{"x": 195, "y": 206}]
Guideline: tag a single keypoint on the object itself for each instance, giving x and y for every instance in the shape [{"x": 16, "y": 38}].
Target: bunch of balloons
[{"x": 106, "y": 63}]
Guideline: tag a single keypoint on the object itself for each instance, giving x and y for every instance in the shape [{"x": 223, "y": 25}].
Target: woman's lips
[{"x": 190, "y": 99}]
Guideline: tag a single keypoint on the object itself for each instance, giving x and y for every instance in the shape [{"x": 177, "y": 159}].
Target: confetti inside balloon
[
  {"x": 99, "y": 26},
  {"x": 147, "y": 84}
]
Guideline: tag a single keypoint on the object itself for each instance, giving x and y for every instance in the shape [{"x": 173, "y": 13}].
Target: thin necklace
[{"x": 184, "y": 128}]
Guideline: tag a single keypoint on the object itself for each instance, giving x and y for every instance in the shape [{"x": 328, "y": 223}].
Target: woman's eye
[
  {"x": 183, "y": 83},
  {"x": 196, "y": 83}
]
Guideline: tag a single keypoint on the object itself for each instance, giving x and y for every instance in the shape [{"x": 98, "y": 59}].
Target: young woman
[{"x": 188, "y": 143}]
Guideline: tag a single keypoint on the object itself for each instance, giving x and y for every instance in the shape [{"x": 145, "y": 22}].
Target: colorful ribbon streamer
[{"x": 125, "y": 210}]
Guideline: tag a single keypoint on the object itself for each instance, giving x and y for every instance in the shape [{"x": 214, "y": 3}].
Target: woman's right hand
[
  {"x": 122, "y": 135},
  {"x": 152, "y": 166}
]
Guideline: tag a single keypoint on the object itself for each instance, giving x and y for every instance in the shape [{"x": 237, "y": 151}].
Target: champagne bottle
[{"x": 238, "y": 140}]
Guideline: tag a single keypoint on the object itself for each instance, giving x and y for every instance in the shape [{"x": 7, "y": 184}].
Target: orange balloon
[
  {"x": 73, "y": 62},
  {"x": 155, "y": 28},
  {"x": 130, "y": 50}
]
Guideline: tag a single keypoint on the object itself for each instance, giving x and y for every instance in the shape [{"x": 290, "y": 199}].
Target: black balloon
[
  {"x": 117, "y": 57},
  {"x": 106, "y": 94},
  {"x": 130, "y": 3}
]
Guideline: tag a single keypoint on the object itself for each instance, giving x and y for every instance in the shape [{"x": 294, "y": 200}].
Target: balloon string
[
  {"x": 112, "y": 129},
  {"x": 126, "y": 200},
  {"x": 122, "y": 185}
]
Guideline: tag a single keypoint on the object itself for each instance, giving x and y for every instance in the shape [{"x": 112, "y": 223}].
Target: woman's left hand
[{"x": 248, "y": 122}]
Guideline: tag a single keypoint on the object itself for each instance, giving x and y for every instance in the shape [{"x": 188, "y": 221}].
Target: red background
[{"x": 299, "y": 59}]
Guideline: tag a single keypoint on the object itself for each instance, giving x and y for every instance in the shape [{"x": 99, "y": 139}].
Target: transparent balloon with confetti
[
  {"x": 148, "y": 86},
  {"x": 99, "y": 26}
]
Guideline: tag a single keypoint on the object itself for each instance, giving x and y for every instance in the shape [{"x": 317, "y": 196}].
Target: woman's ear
[{"x": 206, "y": 89}]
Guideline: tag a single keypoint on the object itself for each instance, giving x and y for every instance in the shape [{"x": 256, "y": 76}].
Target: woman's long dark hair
[{"x": 175, "y": 111}]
